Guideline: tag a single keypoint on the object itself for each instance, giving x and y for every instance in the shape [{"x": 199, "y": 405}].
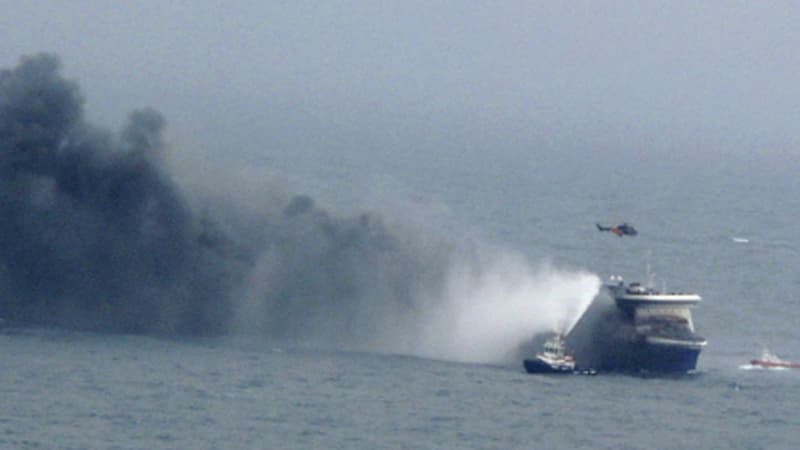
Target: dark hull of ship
[
  {"x": 538, "y": 366},
  {"x": 652, "y": 358},
  {"x": 535, "y": 366}
]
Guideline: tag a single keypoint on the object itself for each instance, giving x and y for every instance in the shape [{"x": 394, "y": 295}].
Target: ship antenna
[
  {"x": 651, "y": 277},
  {"x": 648, "y": 270}
]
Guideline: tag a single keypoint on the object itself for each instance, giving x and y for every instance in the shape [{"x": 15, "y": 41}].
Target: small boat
[
  {"x": 553, "y": 359},
  {"x": 770, "y": 360}
]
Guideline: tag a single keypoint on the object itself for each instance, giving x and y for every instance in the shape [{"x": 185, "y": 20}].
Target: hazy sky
[{"x": 713, "y": 76}]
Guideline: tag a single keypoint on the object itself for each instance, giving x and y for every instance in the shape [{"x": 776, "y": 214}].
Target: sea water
[
  {"x": 725, "y": 229},
  {"x": 71, "y": 390}
]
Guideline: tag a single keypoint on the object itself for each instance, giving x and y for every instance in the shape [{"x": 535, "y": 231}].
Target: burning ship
[
  {"x": 657, "y": 333},
  {"x": 645, "y": 330}
]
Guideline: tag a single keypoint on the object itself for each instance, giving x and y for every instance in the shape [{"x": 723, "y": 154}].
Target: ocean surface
[{"x": 724, "y": 227}]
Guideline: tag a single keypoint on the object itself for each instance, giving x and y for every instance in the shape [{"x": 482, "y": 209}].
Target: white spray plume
[{"x": 487, "y": 310}]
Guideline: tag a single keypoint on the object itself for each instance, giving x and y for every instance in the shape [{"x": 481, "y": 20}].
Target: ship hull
[
  {"x": 538, "y": 366},
  {"x": 647, "y": 357}
]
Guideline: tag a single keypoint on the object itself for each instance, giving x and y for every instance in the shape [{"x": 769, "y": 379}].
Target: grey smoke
[
  {"x": 94, "y": 235},
  {"x": 597, "y": 336}
]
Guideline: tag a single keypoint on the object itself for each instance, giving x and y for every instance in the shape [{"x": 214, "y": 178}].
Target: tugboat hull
[{"x": 539, "y": 366}]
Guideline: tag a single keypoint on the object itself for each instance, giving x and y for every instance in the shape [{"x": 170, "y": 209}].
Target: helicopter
[{"x": 623, "y": 229}]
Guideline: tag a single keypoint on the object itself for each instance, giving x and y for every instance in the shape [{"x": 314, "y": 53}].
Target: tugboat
[
  {"x": 770, "y": 360},
  {"x": 553, "y": 359},
  {"x": 658, "y": 333}
]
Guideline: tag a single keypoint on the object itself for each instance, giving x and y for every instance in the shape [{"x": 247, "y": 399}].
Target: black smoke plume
[{"x": 94, "y": 235}]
